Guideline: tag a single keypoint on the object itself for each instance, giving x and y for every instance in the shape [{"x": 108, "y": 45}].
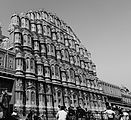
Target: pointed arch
[
  {"x": 78, "y": 60},
  {"x": 48, "y": 48},
  {"x": 68, "y": 74},
  {"x": 58, "y": 37},
  {"x": 48, "y": 31},
  {"x": 57, "y": 70},
  {"x": 72, "y": 75},
  {"x": 63, "y": 54},
  {"x": 53, "y": 71},
  {"x": 66, "y": 54},
  {"x": 52, "y": 49}
]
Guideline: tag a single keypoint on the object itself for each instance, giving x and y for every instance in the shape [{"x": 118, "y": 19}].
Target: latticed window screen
[
  {"x": 1, "y": 60},
  {"x": 11, "y": 60}
]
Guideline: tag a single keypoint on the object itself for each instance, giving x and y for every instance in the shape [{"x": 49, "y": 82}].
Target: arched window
[
  {"x": 25, "y": 39},
  {"x": 43, "y": 48},
  {"x": 52, "y": 70},
  {"x": 54, "y": 36},
  {"x": 47, "y": 71},
  {"x": 78, "y": 60},
  {"x": 84, "y": 80},
  {"x": 45, "y": 16},
  {"x": 77, "y": 81},
  {"x": 50, "y": 18},
  {"x": 62, "y": 37},
  {"x": 66, "y": 55},
  {"x": 75, "y": 60},
  {"x": 59, "y": 97},
  {"x": 71, "y": 60},
  {"x": 37, "y": 15},
  {"x": 29, "y": 41},
  {"x": 58, "y": 36},
  {"x": 82, "y": 64},
  {"x": 81, "y": 80},
  {"x": 58, "y": 55},
  {"x": 48, "y": 48},
  {"x": 33, "y": 97},
  {"x": 81, "y": 51},
  {"x": 23, "y": 23},
  {"x": 77, "y": 47},
  {"x": 33, "y": 27},
  {"x": 27, "y": 95},
  {"x": 35, "y": 45},
  {"x": 2, "y": 60},
  {"x": 45, "y": 30},
  {"x": 57, "y": 70},
  {"x": 32, "y": 16},
  {"x": 17, "y": 38},
  {"x": 73, "y": 43},
  {"x": 27, "y": 64},
  {"x": 66, "y": 42},
  {"x": 32, "y": 64},
  {"x": 72, "y": 74},
  {"x": 58, "y": 23},
  {"x": 15, "y": 20},
  {"x": 70, "y": 43},
  {"x": 68, "y": 75},
  {"x": 75, "y": 100},
  {"x": 52, "y": 48},
  {"x": 48, "y": 31},
  {"x": 39, "y": 28},
  {"x": 27, "y": 24},
  {"x": 63, "y": 54},
  {"x": 63, "y": 75}
]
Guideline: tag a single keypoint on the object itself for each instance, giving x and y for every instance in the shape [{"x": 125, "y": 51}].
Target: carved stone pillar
[
  {"x": 19, "y": 95},
  {"x": 30, "y": 88},
  {"x": 41, "y": 94},
  {"x": 66, "y": 98}
]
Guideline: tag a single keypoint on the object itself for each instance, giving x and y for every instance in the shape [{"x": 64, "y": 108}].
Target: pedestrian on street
[
  {"x": 5, "y": 103},
  {"x": 61, "y": 114},
  {"x": 110, "y": 113}
]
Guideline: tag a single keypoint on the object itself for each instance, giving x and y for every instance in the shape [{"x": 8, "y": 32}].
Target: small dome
[
  {"x": 53, "y": 29},
  {"x": 22, "y": 15},
  {"x": 39, "y": 61},
  {"x": 35, "y": 37},
  {"x": 19, "y": 55},
  {"x": 46, "y": 63},
  {"x": 30, "y": 11},
  {"x": 14, "y": 15},
  {"x": 33, "y": 21},
  {"x": 57, "y": 47},
  {"x": 38, "y": 22},
  {"x": 62, "y": 68},
  {"x": 17, "y": 30}
]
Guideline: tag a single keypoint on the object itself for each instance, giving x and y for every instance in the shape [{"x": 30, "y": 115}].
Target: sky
[{"x": 103, "y": 26}]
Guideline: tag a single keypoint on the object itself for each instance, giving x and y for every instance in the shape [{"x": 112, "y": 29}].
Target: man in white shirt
[{"x": 61, "y": 115}]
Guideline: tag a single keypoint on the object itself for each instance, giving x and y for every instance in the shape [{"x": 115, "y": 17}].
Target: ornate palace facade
[
  {"x": 51, "y": 66},
  {"x": 46, "y": 65}
]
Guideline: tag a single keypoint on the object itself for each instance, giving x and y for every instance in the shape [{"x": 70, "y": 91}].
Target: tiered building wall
[
  {"x": 117, "y": 96},
  {"x": 46, "y": 65},
  {"x": 52, "y": 66}
]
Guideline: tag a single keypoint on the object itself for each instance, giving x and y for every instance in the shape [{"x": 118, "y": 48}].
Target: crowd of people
[
  {"x": 111, "y": 113},
  {"x": 72, "y": 114}
]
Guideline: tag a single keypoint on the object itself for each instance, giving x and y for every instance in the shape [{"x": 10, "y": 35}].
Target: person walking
[
  {"x": 61, "y": 114},
  {"x": 125, "y": 116},
  {"x": 110, "y": 113},
  {"x": 5, "y": 103}
]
